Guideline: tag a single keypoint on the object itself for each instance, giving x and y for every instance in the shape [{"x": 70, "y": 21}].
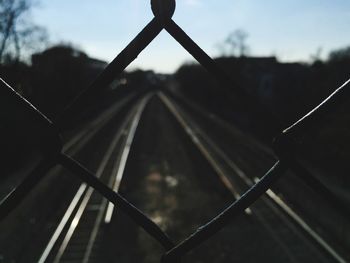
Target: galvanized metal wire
[{"x": 163, "y": 12}]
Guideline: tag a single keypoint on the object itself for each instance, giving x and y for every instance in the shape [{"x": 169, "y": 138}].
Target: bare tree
[
  {"x": 17, "y": 32},
  {"x": 235, "y": 44},
  {"x": 317, "y": 56}
]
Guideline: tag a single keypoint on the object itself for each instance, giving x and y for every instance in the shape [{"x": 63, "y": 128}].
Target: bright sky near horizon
[{"x": 292, "y": 30}]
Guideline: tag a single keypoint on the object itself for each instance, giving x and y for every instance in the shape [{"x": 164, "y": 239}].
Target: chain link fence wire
[{"x": 17, "y": 113}]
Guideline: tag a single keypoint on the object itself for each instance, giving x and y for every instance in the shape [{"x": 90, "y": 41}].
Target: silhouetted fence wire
[{"x": 50, "y": 144}]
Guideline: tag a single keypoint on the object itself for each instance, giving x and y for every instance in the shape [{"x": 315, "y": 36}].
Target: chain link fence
[{"x": 17, "y": 113}]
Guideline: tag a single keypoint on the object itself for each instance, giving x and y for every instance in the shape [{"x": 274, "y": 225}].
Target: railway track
[
  {"x": 248, "y": 159},
  {"x": 160, "y": 159},
  {"x": 279, "y": 207},
  {"x": 30, "y": 225},
  {"x": 77, "y": 234}
]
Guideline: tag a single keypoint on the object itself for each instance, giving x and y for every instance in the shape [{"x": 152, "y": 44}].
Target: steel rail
[
  {"x": 74, "y": 223},
  {"x": 116, "y": 67},
  {"x": 133, "y": 212},
  {"x": 198, "y": 142},
  {"x": 299, "y": 170},
  {"x": 203, "y": 150},
  {"x": 119, "y": 174},
  {"x": 272, "y": 195},
  {"x": 305, "y": 226},
  {"x": 96, "y": 124},
  {"x": 163, "y": 11},
  {"x": 119, "y": 167},
  {"x": 94, "y": 231},
  {"x": 73, "y": 205},
  {"x": 81, "y": 194},
  {"x": 9, "y": 203},
  {"x": 206, "y": 231},
  {"x": 224, "y": 124},
  {"x": 74, "y": 145},
  {"x": 62, "y": 224}
]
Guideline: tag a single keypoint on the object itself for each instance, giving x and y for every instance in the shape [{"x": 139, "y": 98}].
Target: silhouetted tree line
[
  {"x": 289, "y": 90},
  {"x": 52, "y": 81},
  {"x": 56, "y": 76},
  {"x": 53, "y": 78}
]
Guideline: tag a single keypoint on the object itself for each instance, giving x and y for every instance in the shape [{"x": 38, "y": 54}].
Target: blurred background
[
  {"x": 290, "y": 54},
  {"x": 287, "y": 56}
]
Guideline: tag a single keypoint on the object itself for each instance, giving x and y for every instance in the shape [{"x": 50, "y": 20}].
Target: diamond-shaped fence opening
[{"x": 41, "y": 138}]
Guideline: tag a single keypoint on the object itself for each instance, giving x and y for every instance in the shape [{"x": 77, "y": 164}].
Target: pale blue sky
[{"x": 290, "y": 29}]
